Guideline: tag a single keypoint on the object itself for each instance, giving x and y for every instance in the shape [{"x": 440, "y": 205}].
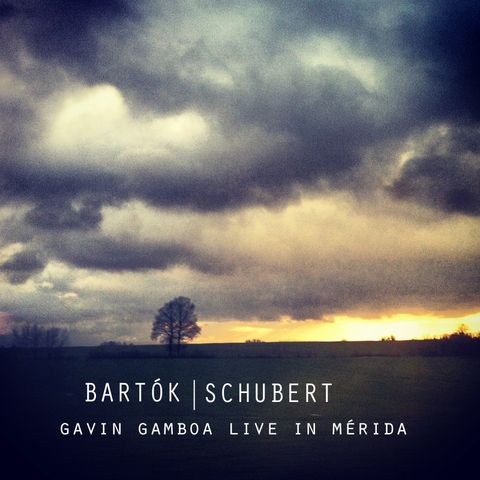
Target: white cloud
[
  {"x": 334, "y": 53},
  {"x": 94, "y": 125}
]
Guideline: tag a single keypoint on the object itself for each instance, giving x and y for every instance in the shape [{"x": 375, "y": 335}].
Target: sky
[{"x": 301, "y": 170}]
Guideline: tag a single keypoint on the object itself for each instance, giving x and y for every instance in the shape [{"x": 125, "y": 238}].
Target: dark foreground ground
[
  {"x": 437, "y": 398},
  {"x": 459, "y": 345}
]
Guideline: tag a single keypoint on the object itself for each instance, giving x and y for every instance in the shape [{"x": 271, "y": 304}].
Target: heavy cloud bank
[{"x": 146, "y": 140}]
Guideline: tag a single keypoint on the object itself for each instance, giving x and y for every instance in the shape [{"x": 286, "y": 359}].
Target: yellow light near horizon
[{"x": 401, "y": 326}]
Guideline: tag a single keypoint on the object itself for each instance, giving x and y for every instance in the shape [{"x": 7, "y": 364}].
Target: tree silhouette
[
  {"x": 175, "y": 324},
  {"x": 34, "y": 336}
]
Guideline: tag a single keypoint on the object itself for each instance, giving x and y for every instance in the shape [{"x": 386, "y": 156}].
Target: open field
[
  {"x": 470, "y": 347},
  {"x": 436, "y": 397}
]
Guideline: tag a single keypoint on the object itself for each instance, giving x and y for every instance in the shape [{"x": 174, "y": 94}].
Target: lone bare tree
[{"x": 175, "y": 324}]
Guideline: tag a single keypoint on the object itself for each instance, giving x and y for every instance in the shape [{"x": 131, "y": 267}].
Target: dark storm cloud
[
  {"x": 103, "y": 253},
  {"x": 429, "y": 50},
  {"x": 429, "y": 283},
  {"x": 446, "y": 183},
  {"x": 445, "y": 40},
  {"x": 21, "y": 266},
  {"x": 61, "y": 199},
  {"x": 65, "y": 217},
  {"x": 438, "y": 37},
  {"x": 7, "y": 10},
  {"x": 66, "y": 31},
  {"x": 327, "y": 114},
  {"x": 37, "y": 182},
  {"x": 446, "y": 177},
  {"x": 15, "y": 115}
]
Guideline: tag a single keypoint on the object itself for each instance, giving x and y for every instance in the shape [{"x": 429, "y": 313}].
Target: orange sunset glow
[{"x": 401, "y": 326}]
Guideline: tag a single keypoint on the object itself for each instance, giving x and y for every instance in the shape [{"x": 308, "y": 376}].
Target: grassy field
[
  {"x": 437, "y": 398},
  {"x": 429, "y": 348}
]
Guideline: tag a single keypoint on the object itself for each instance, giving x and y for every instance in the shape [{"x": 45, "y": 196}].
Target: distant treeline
[
  {"x": 35, "y": 342},
  {"x": 456, "y": 344},
  {"x": 32, "y": 335}
]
